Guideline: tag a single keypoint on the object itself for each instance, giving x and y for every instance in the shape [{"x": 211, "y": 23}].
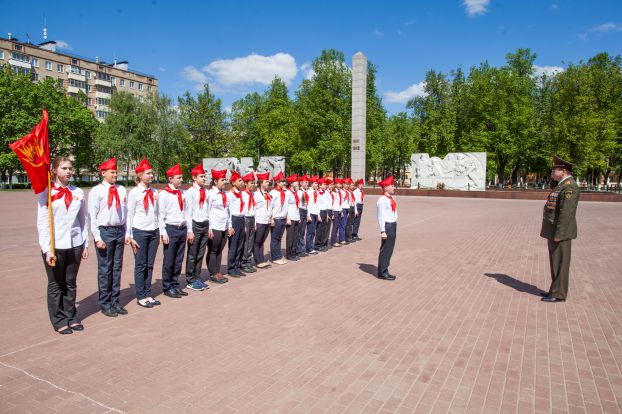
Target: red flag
[{"x": 33, "y": 151}]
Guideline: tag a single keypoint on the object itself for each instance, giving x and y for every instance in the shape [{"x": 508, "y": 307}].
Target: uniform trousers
[
  {"x": 173, "y": 256},
  {"x": 559, "y": 257},
  {"x": 386, "y": 249},
  {"x": 215, "y": 246},
  {"x": 61, "y": 292},
  {"x": 277, "y": 236},
  {"x": 249, "y": 241},
  {"x": 236, "y": 245},
  {"x": 109, "y": 265},
  {"x": 196, "y": 250},
  {"x": 260, "y": 238},
  {"x": 148, "y": 241},
  {"x": 357, "y": 220}
]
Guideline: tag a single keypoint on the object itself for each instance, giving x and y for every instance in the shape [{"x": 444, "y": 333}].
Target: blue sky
[{"x": 238, "y": 47}]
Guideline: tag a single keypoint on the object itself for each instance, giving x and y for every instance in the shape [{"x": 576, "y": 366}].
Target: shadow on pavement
[
  {"x": 368, "y": 268},
  {"x": 515, "y": 283}
]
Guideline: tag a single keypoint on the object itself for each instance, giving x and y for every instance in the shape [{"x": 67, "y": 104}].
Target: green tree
[{"x": 245, "y": 114}]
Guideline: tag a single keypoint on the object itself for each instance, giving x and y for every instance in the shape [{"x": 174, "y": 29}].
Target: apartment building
[{"x": 93, "y": 77}]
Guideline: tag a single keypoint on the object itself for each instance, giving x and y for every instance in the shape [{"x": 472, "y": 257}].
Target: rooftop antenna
[{"x": 45, "y": 29}]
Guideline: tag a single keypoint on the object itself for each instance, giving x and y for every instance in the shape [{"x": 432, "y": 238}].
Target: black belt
[
  {"x": 177, "y": 226},
  {"x": 110, "y": 227}
]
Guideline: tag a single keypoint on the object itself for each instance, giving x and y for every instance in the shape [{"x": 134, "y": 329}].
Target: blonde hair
[{"x": 56, "y": 163}]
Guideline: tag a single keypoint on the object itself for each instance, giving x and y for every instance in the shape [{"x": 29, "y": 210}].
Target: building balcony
[
  {"x": 104, "y": 95},
  {"x": 76, "y": 76},
  {"x": 103, "y": 83},
  {"x": 19, "y": 63},
  {"x": 75, "y": 89}
]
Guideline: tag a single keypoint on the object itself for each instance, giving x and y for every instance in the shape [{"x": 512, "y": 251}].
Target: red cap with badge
[
  {"x": 292, "y": 178},
  {"x": 197, "y": 170},
  {"x": 234, "y": 177},
  {"x": 249, "y": 177},
  {"x": 175, "y": 170},
  {"x": 143, "y": 166},
  {"x": 386, "y": 182},
  {"x": 263, "y": 176},
  {"x": 218, "y": 174},
  {"x": 111, "y": 164},
  {"x": 279, "y": 176}
]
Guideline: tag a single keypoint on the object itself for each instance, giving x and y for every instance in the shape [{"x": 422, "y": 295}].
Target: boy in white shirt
[
  {"x": 387, "y": 220},
  {"x": 197, "y": 225}
]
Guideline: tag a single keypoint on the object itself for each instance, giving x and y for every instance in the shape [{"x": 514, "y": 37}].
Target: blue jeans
[
  {"x": 342, "y": 224},
  {"x": 277, "y": 236},
  {"x": 109, "y": 265},
  {"x": 148, "y": 241},
  {"x": 301, "y": 231},
  {"x": 311, "y": 226},
  {"x": 173, "y": 256}
]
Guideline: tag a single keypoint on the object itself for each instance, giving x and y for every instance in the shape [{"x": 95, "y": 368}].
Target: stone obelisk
[{"x": 359, "y": 116}]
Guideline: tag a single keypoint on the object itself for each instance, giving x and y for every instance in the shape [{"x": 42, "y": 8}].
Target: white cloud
[
  {"x": 307, "y": 70},
  {"x": 253, "y": 69},
  {"x": 161, "y": 68},
  {"x": 378, "y": 33},
  {"x": 61, "y": 44},
  {"x": 193, "y": 74},
  {"x": 538, "y": 71},
  {"x": 475, "y": 7},
  {"x": 602, "y": 28},
  {"x": 417, "y": 89},
  {"x": 554, "y": 7}
]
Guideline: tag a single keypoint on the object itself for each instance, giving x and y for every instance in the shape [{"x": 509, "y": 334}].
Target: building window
[
  {"x": 74, "y": 61},
  {"x": 61, "y": 83},
  {"x": 35, "y": 62},
  {"x": 60, "y": 68},
  {"x": 103, "y": 89},
  {"x": 89, "y": 88},
  {"x": 76, "y": 70},
  {"x": 113, "y": 80},
  {"x": 149, "y": 88},
  {"x": 87, "y": 74},
  {"x": 77, "y": 83},
  {"x": 89, "y": 101},
  {"x": 103, "y": 76},
  {"x": 48, "y": 65},
  {"x": 103, "y": 101},
  {"x": 20, "y": 57},
  {"x": 101, "y": 114},
  {"x": 20, "y": 71},
  {"x": 1, "y": 54},
  {"x": 131, "y": 84},
  {"x": 35, "y": 77},
  {"x": 122, "y": 82},
  {"x": 140, "y": 86}
]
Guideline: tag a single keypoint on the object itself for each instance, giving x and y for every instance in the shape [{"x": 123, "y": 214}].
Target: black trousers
[
  {"x": 349, "y": 223},
  {"x": 62, "y": 286},
  {"x": 291, "y": 239},
  {"x": 386, "y": 249},
  {"x": 301, "y": 231},
  {"x": 148, "y": 241},
  {"x": 236, "y": 245},
  {"x": 196, "y": 250},
  {"x": 260, "y": 238},
  {"x": 109, "y": 265},
  {"x": 277, "y": 236},
  {"x": 322, "y": 227},
  {"x": 559, "y": 257},
  {"x": 357, "y": 220},
  {"x": 173, "y": 256},
  {"x": 334, "y": 233},
  {"x": 215, "y": 247},
  {"x": 249, "y": 241}
]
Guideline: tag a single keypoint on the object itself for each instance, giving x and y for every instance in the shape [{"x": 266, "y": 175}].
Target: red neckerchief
[
  {"x": 340, "y": 198},
  {"x": 179, "y": 198},
  {"x": 295, "y": 196},
  {"x": 282, "y": 196},
  {"x": 62, "y": 192},
  {"x": 362, "y": 196},
  {"x": 113, "y": 194},
  {"x": 393, "y": 203},
  {"x": 251, "y": 199},
  {"x": 267, "y": 197},
  {"x": 148, "y": 198},
  {"x": 202, "y": 195},
  {"x": 314, "y": 196},
  {"x": 239, "y": 197},
  {"x": 306, "y": 197},
  {"x": 332, "y": 196},
  {"x": 351, "y": 194}
]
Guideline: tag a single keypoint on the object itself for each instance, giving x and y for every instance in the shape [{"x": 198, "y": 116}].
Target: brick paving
[{"x": 461, "y": 330}]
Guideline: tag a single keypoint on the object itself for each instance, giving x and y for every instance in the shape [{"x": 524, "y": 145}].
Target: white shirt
[
  {"x": 336, "y": 201},
  {"x": 303, "y": 200},
  {"x": 279, "y": 209},
  {"x": 345, "y": 199},
  {"x": 323, "y": 199},
  {"x": 100, "y": 214},
  {"x": 249, "y": 208},
  {"x": 385, "y": 212},
  {"x": 292, "y": 209},
  {"x": 218, "y": 212},
  {"x": 358, "y": 195},
  {"x": 195, "y": 211},
  {"x": 70, "y": 225},
  {"x": 314, "y": 198},
  {"x": 137, "y": 217},
  {"x": 236, "y": 205},
  {"x": 169, "y": 211},
  {"x": 263, "y": 208}
]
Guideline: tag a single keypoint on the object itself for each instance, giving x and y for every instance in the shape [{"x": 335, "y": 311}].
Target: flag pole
[{"x": 51, "y": 220}]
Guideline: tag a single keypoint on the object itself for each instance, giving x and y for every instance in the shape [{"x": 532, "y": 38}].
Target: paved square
[{"x": 461, "y": 330}]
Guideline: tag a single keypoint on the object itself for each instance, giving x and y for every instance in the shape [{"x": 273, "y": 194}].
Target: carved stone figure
[
  {"x": 457, "y": 171},
  {"x": 273, "y": 164}
]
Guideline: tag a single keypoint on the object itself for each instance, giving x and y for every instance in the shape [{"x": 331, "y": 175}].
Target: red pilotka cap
[
  {"x": 263, "y": 176},
  {"x": 292, "y": 178},
  {"x": 143, "y": 166},
  {"x": 359, "y": 181},
  {"x": 218, "y": 174},
  {"x": 175, "y": 170},
  {"x": 279, "y": 176},
  {"x": 111, "y": 164},
  {"x": 197, "y": 170},
  {"x": 386, "y": 182},
  {"x": 249, "y": 177},
  {"x": 234, "y": 177}
]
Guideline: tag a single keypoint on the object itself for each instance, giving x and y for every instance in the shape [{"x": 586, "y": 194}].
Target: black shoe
[
  {"x": 292, "y": 258},
  {"x": 77, "y": 327},
  {"x": 552, "y": 299},
  {"x": 172, "y": 293},
  {"x": 219, "y": 280},
  {"x": 148, "y": 305},
  {"x": 65, "y": 331},
  {"x": 545, "y": 294},
  {"x": 120, "y": 310},
  {"x": 110, "y": 312},
  {"x": 156, "y": 302},
  {"x": 249, "y": 269},
  {"x": 303, "y": 254},
  {"x": 386, "y": 277},
  {"x": 235, "y": 274},
  {"x": 181, "y": 292}
]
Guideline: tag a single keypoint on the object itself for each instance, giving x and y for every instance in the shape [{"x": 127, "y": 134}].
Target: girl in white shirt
[
  {"x": 219, "y": 226},
  {"x": 142, "y": 232},
  {"x": 70, "y": 212},
  {"x": 263, "y": 217},
  {"x": 387, "y": 220}
]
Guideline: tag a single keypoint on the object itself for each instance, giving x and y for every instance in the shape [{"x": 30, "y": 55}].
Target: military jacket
[{"x": 559, "y": 221}]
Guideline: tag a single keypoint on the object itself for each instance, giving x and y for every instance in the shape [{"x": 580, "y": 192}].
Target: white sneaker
[{"x": 280, "y": 261}]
